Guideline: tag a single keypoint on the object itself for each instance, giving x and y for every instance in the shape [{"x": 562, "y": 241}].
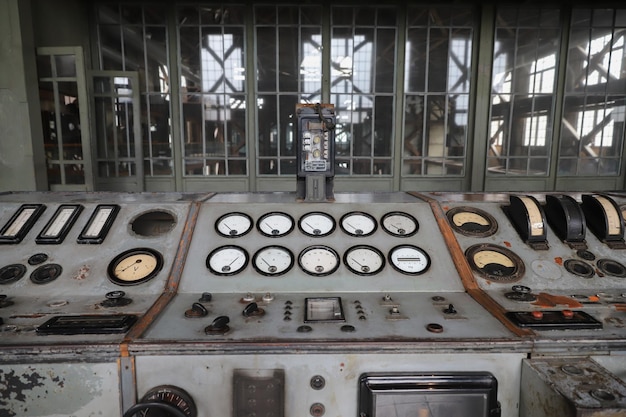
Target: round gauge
[
  {"x": 495, "y": 263},
  {"x": 319, "y": 260},
  {"x": 409, "y": 259},
  {"x": 11, "y": 273},
  {"x": 399, "y": 224},
  {"x": 316, "y": 224},
  {"x": 273, "y": 260},
  {"x": 46, "y": 273},
  {"x": 275, "y": 224},
  {"x": 233, "y": 224},
  {"x": 358, "y": 224},
  {"x": 470, "y": 221},
  {"x": 227, "y": 260},
  {"x": 166, "y": 400},
  {"x": 364, "y": 260},
  {"x": 135, "y": 266}
]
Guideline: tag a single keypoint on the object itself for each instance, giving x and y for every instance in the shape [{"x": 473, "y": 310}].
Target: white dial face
[
  {"x": 317, "y": 224},
  {"x": 233, "y": 224},
  {"x": 358, "y": 224},
  {"x": 273, "y": 260},
  {"x": 100, "y": 219},
  {"x": 409, "y": 259},
  {"x": 319, "y": 260},
  {"x": 364, "y": 260},
  {"x": 227, "y": 260},
  {"x": 399, "y": 224},
  {"x": 275, "y": 224}
]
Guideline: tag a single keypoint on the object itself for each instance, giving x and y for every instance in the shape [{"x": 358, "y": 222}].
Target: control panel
[{"x": 367, "y": 304}]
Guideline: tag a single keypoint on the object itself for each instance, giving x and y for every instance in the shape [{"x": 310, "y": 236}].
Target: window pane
[
  {"x": 290, "y": 72},
  {"x": 592, "y": 128},
  {"x": 523, "y": 82},
  {"x": 437, "y": 83},
  {"x": 362, "y": 87}
]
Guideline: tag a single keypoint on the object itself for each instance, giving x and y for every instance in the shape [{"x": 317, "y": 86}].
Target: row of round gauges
[
  {"x": 317, "y": 224},
  {"x": 317, "y": 260}
]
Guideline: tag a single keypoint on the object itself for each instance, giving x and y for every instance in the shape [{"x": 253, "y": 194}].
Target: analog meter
[
  {"x": 135, "y": 266},
  {"x": 233, "y": 224},
  {"x": 319, "y": 260},
  {"x": 470, "y": 221},
  {"x": 364, "y": 260},
  {"x": 275, "y": 224},
  {"x": 409, "y": 259},
  {"x": 495, "y": 263},
  {"x": 273, "y": 260},
  {"x": 400, "y": 224},
  {"x": 227, "y": 260},
  {"x": 358, "y": 224},
  {"x": 316, "y": 224}
]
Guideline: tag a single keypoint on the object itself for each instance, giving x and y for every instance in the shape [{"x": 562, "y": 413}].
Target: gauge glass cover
[
  {"x": 233, "y": 224},
  {"x": 399, "y": 224},
  {"x": 227, "y": 260},
  {"x": 409, "y": 259},
  {"x": 364, "y": 260},
  {"x": 273, "y": 260},
  {"x": 275, "y": 224},
  {"x": 319, "y": 260},
  {"x": 316, "y": 224},
  {"x": 358, "y": 224},
  {"x": 135, "y": 266}
]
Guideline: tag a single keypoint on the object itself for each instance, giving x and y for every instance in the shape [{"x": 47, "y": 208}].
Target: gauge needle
[
  {"x": 233, "y": 261},
  {"x": 351, "y": 225},
  {"x": 138, "y": 261},
  {"x": 266, "y": 263},
  {"x": 353, "y": 260}
]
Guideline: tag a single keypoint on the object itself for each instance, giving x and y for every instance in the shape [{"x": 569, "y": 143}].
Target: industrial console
[{"x": 266, "y": 304}]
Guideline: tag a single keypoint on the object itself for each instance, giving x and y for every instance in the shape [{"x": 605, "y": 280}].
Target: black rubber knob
[{"x": 250, "y": 309}]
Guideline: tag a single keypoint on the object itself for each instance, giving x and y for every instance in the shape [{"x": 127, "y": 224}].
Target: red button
[
  {"x": 537, "y": 315},
  {"x": 568, "y": 314}
]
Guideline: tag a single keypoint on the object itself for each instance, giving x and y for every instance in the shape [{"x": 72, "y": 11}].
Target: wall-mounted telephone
[{"x": 316, "y": 151}]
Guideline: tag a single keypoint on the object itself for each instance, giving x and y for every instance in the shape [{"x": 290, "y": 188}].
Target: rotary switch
[{"x": 164, "y": 401}]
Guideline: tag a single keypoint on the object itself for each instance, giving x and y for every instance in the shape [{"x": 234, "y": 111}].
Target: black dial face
[
  {"x": 135, "y": 266},
  {"x": 470, "y": 221},
  {"x": 11, "y": 273},
  {"x": 46, "y": 273},
  {"x": 495, "y": 263}
]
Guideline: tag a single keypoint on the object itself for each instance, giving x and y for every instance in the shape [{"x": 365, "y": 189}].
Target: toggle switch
[
  {"x": 253, "y": 309},
  {"x": 218, "y": 326},
  {"x": 196, "y": 310}
]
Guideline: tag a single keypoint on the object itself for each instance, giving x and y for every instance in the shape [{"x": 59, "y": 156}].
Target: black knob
[
  {"x": 250, "y": 309},
  {"x": 115, "y": 299},
  {"x": 219, "y": 325},
  {"x": 206, "y": 297},
  {"x": 197, "y": 310},
  {"x": 450, "y": 309}
]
